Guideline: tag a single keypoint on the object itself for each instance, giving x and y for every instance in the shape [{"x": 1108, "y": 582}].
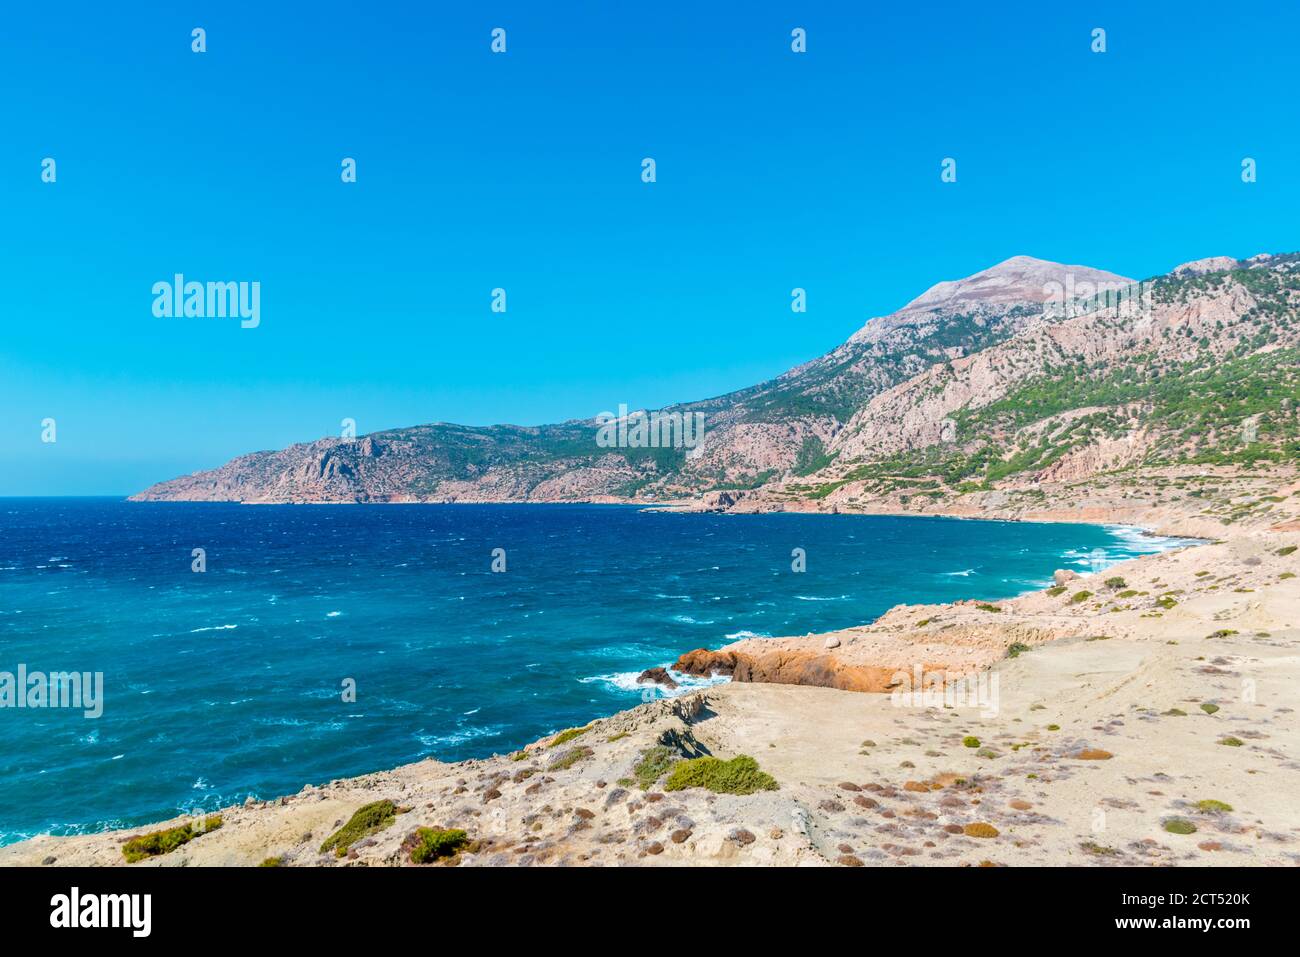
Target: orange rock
[
  {"x": 1021, "y": 805},
  {"x": 788, "y": 667},
  {"x": 916, "y": 786},
  {"x": 980, "y": 829},
  {"x": 1093, "y": 754}
]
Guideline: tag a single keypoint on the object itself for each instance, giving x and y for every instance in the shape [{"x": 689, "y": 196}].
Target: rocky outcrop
[
  {"x": 658, "y": 676},
  {"x": 1202, "y": 267},
  {"x": 790, "y": 668}
]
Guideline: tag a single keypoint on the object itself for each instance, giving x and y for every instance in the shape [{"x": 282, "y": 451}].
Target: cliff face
[{"x": 977, "y": 381}]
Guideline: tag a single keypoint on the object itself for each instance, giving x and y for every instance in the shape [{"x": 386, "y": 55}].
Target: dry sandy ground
[{"x": 1101, "y": 738}]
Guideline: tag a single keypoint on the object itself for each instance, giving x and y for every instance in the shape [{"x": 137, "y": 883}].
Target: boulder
[{"x": 659, "y": 676}]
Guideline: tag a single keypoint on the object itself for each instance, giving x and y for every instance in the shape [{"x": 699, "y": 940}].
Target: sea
[{"x": 250, "y": 650}]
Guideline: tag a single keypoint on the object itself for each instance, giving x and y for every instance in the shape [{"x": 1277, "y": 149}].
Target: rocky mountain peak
[{"x": 1018, "y": 279}]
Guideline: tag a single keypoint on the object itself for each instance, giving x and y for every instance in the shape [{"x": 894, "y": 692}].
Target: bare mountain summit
[
  {"x": 977, "y": 381},
  {"x": 1015, "y": 280}
]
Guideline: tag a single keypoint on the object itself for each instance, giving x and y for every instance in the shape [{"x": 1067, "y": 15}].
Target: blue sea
[{"x": 229, "y": 682}]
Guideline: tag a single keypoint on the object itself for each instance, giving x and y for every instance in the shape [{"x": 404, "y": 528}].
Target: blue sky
[{"x": 522, "y": 171}]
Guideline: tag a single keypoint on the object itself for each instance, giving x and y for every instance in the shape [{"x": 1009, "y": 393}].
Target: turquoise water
[{"x": 226, "y": 683}]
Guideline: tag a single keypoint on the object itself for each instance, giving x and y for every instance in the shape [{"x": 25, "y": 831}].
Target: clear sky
[{"x": 523, "y": 171}]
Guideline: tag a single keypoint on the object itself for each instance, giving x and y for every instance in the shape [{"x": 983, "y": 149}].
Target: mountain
[{"x": 1024, "y": 371}]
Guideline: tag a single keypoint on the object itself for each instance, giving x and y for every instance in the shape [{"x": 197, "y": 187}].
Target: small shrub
[
  {"x": 985, "y": 606},
  {"x": 569, "y": 758},
  {"x": 1126, "y": 593},
  {"x": 157, "y": 843},
  {"x": 655, "y": 763},
  {"x": 272, "y": 862},
  {"x": 1221, "y": 633},
  {"x": 1056, "y": 590},
  {"x": 1178, "y": 826},
  {"x": 1176, "y": 713},
  {"x": 1099, "y": 850},
  {"x": 1210, "y": 806},
  {"x": 369, "y": 819},
  {"x": 1080, "y": 596},
  {"x": 568, "y": 735},
  {"x": 980, "y": 829},
  {"x": 1053, "y": 727},
  {"x": 740, "y": 775},
  {"x": 1016, "y": 649},
  {"x": 1166, "y": 602},
  {"x": 1209, "y": 708},
  {"x": 1231, "y": 742},
  {"x": 433, "y": 843},
  {"x": 1116, "y": 582},
  {"x": 1285, "y": 551},
  {"x": 971, "y": 741}
]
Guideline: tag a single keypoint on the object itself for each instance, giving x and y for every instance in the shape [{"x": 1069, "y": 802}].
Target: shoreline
[
  {"x": 973, "y": 641},
  {"x": 685, "y": 691}
]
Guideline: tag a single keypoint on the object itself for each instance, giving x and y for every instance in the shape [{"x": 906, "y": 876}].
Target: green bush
[
  {"x": 655, "y": 763},
  {"x": 740, "y": 775},
  {"x": 157, "y": 843},
  {"x": 569, "y": 758},
  {"x": 568, "y": 735},
  {"x": 434, "y": 843},
  {"x": 1116, "y": 582},
  {"x": 369, "y": 819},
  {"x": 1210, "y": 806}
]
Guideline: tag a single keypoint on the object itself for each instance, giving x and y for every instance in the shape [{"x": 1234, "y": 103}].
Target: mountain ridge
[{"x": 895, "y": 387}]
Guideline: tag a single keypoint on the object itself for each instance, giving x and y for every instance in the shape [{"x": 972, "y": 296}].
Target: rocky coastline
[{"x": 1155, "y": 698}]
